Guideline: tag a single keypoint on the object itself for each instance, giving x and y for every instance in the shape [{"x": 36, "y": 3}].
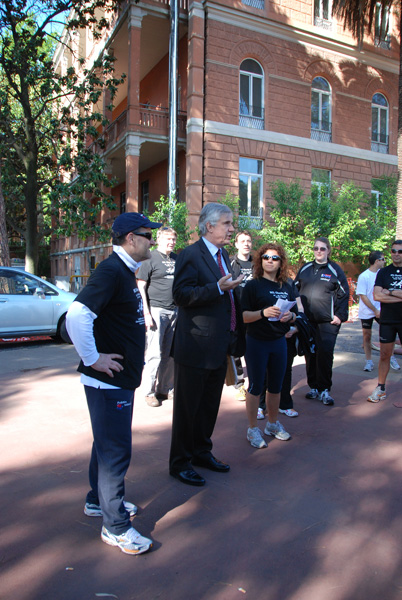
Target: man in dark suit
[{"x": 209, "y": 327}]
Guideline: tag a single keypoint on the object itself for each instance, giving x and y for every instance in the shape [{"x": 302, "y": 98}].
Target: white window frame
[
  {"x": 253, "y": 220},
  {"x": 324, "y": 188},
  {"x": 319, "y": 133},
  {"x": 319, "y": 19},
  {"x": 246, "y": 119},
  {"x": 382, "y": 41},
  {"x": 376, "y": 144}
]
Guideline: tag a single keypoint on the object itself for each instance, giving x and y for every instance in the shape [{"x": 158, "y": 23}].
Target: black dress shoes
[
  {"x": 211, "y": 463},
  {"x": 189, "y": 476}
]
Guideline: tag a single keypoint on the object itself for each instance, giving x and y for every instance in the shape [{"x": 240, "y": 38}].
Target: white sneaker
[
  {"x": 377, "y": 395},
  {"x": 277, "y": 430},
  {"x": 394, "y": 364},
  {"x": 369, "y": 366},
  {"x": 94, "y": 510},
  {"x": 255, "y": 438},
  {"x": 129, "y": 542},
  {"x": 289, "y": 412},
  {"x": 260, "y": 414}
]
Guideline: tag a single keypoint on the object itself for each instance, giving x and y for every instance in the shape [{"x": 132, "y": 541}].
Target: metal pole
[{"x": 173, "y": 76}]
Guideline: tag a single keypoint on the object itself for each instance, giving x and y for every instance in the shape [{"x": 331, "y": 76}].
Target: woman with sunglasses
[
  {"x": 324, "y": 292},
  {"x": 265, "y": 340}
]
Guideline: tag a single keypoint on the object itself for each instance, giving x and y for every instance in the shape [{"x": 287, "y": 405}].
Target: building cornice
[
  {"x": 304, "y": 37},
  {"x": 272, "y": 137}
]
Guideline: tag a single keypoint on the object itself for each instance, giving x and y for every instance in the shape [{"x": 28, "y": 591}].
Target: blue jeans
[{"x": 111, "y": 413}]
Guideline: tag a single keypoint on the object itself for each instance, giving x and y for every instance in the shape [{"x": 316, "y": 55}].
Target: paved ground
[{"x": 315, "y": 518}]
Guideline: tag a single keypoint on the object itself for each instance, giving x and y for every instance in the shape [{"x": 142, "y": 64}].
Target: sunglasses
[
  {"x": 381, "y": 258},
  {"x": 396, "y": 251},
  {"x": 320, "y": 249},
  {"x": 274, "y": 257},
  {"x": 147, "y": 234}
]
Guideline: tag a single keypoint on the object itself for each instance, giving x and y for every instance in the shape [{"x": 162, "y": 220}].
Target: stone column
[
  {"x": 133, "y": 146},
  {"x": 195, "y": 111}
]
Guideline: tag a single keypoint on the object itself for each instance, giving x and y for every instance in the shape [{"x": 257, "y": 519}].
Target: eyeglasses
[
  {"x": 396, "y": 251},
  {"x": 274, "y": 257},
  {"x": 147, "y": 234},
  {"x": 381, "y": 258},
  {"x": 320, "y": 249}
]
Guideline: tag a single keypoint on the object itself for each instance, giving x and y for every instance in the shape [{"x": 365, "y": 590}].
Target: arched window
[
  {"x": 379, "y": 123},
  {"x": 321, "y": 125},
  {"x": 251, "y": 108}
]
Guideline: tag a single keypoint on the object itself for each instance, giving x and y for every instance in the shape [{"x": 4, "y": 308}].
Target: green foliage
[
  {"x": 241, "y": 221},
  {"x": 173, "y": 214},
  {"x": 351, "y": 220},
  {"x": 53, "y": 181}
]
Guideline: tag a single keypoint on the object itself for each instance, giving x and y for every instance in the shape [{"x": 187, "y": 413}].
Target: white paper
[{"x": 284, "y": 306}]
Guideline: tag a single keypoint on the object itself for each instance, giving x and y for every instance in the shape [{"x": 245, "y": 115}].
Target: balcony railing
[
  {"x": 380, "y": 143},
  {"x": 183, "y": 4},
  {"x": 248, "y": 116},
  {"x": 321, "y": 132},
  {"x": 323, "y": 23},
  {"x": 157, "y": 119},
  {"x": 255, "y": 3},
  {"x": 150, "y": 118},
  {"x": 384, "y": 43}
]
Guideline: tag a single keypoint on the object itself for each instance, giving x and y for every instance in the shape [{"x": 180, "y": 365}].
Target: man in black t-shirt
[
  {"x": 106, "y": 324},
  {"x": 155, "y": 282},
  {"x": 242, "y": 264},
  {"x": 388, "y": 291}
]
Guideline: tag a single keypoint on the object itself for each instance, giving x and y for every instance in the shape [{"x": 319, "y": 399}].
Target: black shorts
[
  {"x": 368, "y": 323},
  {"x": 388, "y": 332}
]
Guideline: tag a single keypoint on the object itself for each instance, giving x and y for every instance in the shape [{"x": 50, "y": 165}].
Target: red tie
[{"x": 233, "y": 311}]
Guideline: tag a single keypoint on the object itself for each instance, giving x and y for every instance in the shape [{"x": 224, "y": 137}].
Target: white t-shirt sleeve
[{"x": 80, "y": 324}]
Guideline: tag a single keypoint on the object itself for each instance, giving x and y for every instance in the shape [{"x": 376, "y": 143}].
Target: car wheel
[{"x": 62, "y": 333}]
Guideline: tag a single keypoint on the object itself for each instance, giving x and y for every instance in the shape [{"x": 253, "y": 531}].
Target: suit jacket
[{"x": 202, "y": 335}]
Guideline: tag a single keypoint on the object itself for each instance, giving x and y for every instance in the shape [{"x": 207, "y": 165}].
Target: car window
[{"x": 22, "y": 285}]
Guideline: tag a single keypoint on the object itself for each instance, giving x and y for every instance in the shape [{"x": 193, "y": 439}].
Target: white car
[{"x": 30, "y": 306}]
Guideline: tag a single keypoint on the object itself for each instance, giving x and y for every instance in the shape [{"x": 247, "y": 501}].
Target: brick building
[{"x": 268, "y": 89}]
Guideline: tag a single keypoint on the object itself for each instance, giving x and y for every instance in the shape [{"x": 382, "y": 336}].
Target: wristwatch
[{"x": 262, "y": 313}]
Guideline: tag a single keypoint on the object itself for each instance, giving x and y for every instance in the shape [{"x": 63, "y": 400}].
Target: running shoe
[
  {"x": 241, "y": 394},
  {"x": 255, "y": 438},
  {"x": 312, "y": 394},
  {"x": 94, "y": 510},
  {"x": 129, "y": 542},
  {"x": 289, "y": 412},
  {"x": 369, "y": 366},
  {"x": 377, "y": 395},
  {"x": 394, "y": 364},
  {"x": 260, "y": 414},
  {"x": 326, "y": 399},
  {"x": 277, "y": 430}
]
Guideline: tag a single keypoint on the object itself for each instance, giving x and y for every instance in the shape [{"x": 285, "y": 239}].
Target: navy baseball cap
[{"x": 131, "y": 221}]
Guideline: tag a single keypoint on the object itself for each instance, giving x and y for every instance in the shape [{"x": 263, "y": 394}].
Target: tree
[
  {"x": 173, "y": 214},
  {"x": 4, "y": 250},
  {"x": 53, "y": 180},
  {"x": 358, "y": 16}
]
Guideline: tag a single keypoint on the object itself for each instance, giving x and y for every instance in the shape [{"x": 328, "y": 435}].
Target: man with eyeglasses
[
  {"x": 155, "y": 282},
  {"x": 106, "y": 325},
  {"x": 369, "y": 309},
  {"x": 324, "y": 292},
  {"x": 388, "y": 291}
]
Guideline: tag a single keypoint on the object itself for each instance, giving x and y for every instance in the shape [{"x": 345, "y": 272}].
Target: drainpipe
[{"x": 173, "y": 76}]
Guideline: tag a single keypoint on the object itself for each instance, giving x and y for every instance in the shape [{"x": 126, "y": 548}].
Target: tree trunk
[
  {"x": 399, "y": 141},
  {"x": 4, "y": 249},
  {"x": 31, "y": 233}
]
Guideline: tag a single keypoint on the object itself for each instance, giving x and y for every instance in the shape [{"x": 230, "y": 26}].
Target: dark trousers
[
  {"x": 111, "y": 413},
  {"x": 286, "y": 400},
  {"x": 197, "y": 396},
  {"x": 319, "y": 364}
]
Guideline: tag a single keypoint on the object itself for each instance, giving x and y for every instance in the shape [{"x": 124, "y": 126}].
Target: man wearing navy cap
[{"x": 106, "y": 325}]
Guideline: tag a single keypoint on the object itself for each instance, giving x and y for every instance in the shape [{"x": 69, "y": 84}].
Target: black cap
[{"x": 131, "y": 221}]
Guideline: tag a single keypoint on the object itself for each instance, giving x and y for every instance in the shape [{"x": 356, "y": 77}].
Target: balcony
[
  {"x": 321, "y": 132},
  {"x": 151, "y": 119},
  {"x": 380, "y": 143},
  {"x": 251, "y": 116}
]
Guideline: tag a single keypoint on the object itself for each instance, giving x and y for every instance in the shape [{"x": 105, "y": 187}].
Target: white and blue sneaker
[
  {"x": 277, "y": 430},
  {"x": 326, "y": 399},
  {"x": 255, "y": 438},
  {"x": 94, "y": 510},
  {"x": 369, "y": 366},
  {"x": 393, "y": 363},
  {"x": 129, "y": 542}
]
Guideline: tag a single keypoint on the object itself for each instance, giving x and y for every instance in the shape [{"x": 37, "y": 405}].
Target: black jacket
[{"x": 324, "y": 291}]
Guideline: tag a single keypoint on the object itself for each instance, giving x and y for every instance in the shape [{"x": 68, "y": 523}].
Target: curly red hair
[{"x": 283, "y": 272}]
